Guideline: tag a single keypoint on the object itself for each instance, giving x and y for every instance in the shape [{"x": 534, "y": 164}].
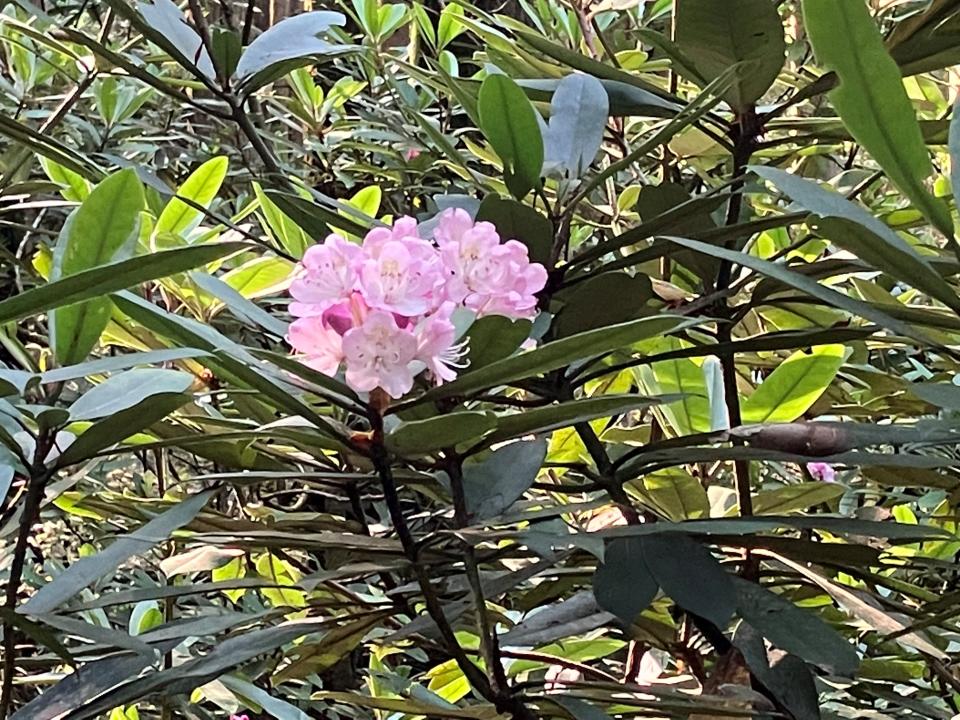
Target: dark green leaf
[
  {"x": 786, "y": 677},
  {"x": 623, "y": 584},
  {"x": 87, "y": 570},
  {"x": 605, "y": 299},
  {"x": 509, "y": 122},
  {"x": 515, "y": 221},
  {"x": 123, "y": 391},
  {"x": 111, "y": 278},
  {"x": 493, "y": 484},
  {"x": 420, "y": 437},
  {"x": 795, "y": 630},
  {"x": 560, "y": 353},
  {"x": 717, "y": 34}
]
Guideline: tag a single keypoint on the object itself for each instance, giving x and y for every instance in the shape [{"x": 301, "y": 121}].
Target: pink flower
[
  {"x": 435, "y": 344},
  {"x": 239, "y": 717},
  {"x": 327, "y": 274},
  {"x": 822, "y": 471},
  {"x": 318, "y": 341},
  {"x": 378, "y": 354},
  {"x": 401, "y": 276},
  {"x": 411, "y": 154},
  {"x": 486, "y": 276}
]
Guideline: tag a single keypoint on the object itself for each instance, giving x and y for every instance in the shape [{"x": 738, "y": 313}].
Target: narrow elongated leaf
[
  {"x": 560, "y": 353},
  {"x": 622, "y": 584},
  {"x": 851, "y": 227},
  {"x": 99, "y": 230},
  {"x": 717, "y": 34},
  {"x": 795, "y": 497},
  {"x": 179, "y": 218},
  {"x": 118, "y": 362},
  {"x": 112, "y": 277},
  {"x": 125, "y": 390},
  {"x": 698, "y": 584},
  {"x": 784, "y": 676},
  {"x": 419, "y": 437},
  {"x": 552, "y": 417},
  {"x": 809, "y": 286},
  {"x": 871, "y": 99},
  {"x": 794, "y": 386},
  {"x": 954, "y": 147},
  {"x": 797, "y": 631},
  {"x": 90, "y": 569},
  {"x": 510, "y": 124}
]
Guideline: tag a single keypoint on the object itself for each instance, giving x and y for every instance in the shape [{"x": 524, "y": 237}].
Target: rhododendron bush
[{"x": 479, "y": 360}]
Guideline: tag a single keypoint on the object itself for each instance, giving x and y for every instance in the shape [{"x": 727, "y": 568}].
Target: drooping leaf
[
  {"x": 622, "y": 584},
  {"x": 853, "y": 228},
  {"x": 718, "y": 34},
  {"x": 578, "y": 116},
  {"x": 170, "y": 25},
  {"x": 89, "y": 569},
  {"x": 419, "y": 437},
  {"x": 510, "y": 124},
  {"x": 556, "y": 354},
  {"x": 871, "y": 99},
  {"x": 295, "y": 39},
  {"x": 798, "y": 631},
  {"x": 111, "y": 278},
  {"x": 493, "y": 484},
  {"x": 123, "y": 391},
  {"x": 698, "y": 584}
]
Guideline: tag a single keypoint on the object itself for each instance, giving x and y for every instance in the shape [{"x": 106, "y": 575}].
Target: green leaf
[
  {"x": 103, "y": 227},
  {"x": 871, "y": 99},
  {"x": 574, "y": 134},
  {"x": 516, "y": 221},
  {"x": 786, "y": 678},
  {"x": 553, "y": 417},
  {"x": 420, "y": 437},
  {"x": 953, "y": 144},
  {"x": 290, "y": 236},
  {"x": 799, "y": 632},
  {"x": 111, "y": 278},
  {"x": 494, "y": 337},
  {"x": 853, "y": 228},
  {"x": 123, "y": 391},
  {"x": 179, "y": 218},
  {"x": 509, "y": 122},
  {"x": 794, "y": 386},
  {"x": 87, "y": 570},
  {"x": 795, "y": 497},
  {"x": 605, "y": 299},
  {"x": 559, "y": 353},
  {"x": 288, "y": 45},
  {"x": 622, "y": 584},
  {"x": 121, "y": 425},
  {"x": 718, "y": 34},
  {"x": 493, "y": 484},
  {"x": 944, "y": 395},
  {"x": 810, "y": 286},
  {"x": 698, "y": 584}
]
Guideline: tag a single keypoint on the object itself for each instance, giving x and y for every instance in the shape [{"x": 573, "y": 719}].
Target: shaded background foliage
[{"x": 746, "y": 211}]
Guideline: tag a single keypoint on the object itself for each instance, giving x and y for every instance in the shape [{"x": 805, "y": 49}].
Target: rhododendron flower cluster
[{"x": 383, "y": 310}]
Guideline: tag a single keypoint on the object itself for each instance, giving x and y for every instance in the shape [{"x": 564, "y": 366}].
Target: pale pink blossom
[
  {"x": 822, "y": 471},
  {"x": 378, "y": 354},
  {"x": 436, "y": 346},
  {"x": 411, "y": 154},
  {"x": 381, "y": 311},
  {"x": 318, "y": 341},
  {"x": 401, "y": 276},
  {"x": 487, "y": 276},
  {"x": 239, "y": 717},
  {"x": 327, "y": 274}
]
